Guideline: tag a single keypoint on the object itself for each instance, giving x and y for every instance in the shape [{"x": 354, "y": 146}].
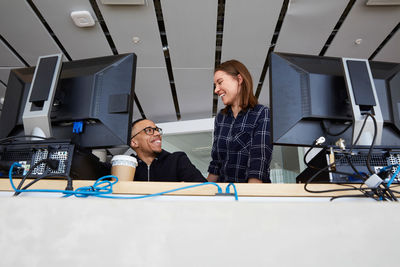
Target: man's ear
[{"x": 134, "y": 144}]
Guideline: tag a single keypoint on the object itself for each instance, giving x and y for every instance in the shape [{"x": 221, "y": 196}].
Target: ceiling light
[
  {"x": 383, "y": 2},
  {"x": 82, "y": 18},
  {"x": 124, "y": 2}
]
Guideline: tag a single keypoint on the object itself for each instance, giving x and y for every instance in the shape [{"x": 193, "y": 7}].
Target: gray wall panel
[
  {"x": 248, "y": 29},
  {"x": 195, "y": 92},
  {"x": 191, "y": 34},
  {"x": 371, "y": 24},
  {"x": 136, "y": 113},
  {"x": 27, "y": 35},
  {"x": 263, "y": 98},
  {"x": 7, "y": 57},
  {"x": 4, "y": 73},
  {"x": 153, "y": 90},
  {"x": 391, "y": 51},
  {"x": 78, "y": 42},
  {"x": 308, "y": 24}
]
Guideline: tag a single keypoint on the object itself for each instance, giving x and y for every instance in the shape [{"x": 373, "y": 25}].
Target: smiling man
[{"x": 156, "y": 164}]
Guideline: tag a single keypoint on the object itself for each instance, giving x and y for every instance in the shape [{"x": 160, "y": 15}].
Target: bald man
[{"x": 156, "y": 164}]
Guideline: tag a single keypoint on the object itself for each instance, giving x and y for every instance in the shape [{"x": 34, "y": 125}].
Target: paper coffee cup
[{"x": 124, "y": 167}]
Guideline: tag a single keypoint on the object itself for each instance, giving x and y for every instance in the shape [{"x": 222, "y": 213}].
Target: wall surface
[{"x": 99, "y": 232}]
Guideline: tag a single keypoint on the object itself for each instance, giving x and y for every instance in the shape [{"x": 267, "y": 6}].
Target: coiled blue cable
[
  {"x": 101, "y": 188},
  {"x": 228, "y": 191}
]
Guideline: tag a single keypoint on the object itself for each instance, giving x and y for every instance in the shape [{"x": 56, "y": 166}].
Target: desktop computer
[
  {"x": 69, "y": 160},
  {"x": 347, "y": 166}
]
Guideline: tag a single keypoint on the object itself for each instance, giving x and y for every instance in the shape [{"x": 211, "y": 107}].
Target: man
[{"x": 156, "y": 164}]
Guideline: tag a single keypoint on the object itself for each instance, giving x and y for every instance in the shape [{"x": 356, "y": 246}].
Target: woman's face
[{"x": 227, "y": 87}]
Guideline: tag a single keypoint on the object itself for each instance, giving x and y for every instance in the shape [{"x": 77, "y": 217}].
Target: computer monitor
[
  {"x": 96, "y": 92},
  {"x": 309, "y": 99}
]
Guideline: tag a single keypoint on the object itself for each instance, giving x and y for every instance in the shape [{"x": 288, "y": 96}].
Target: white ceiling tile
[
  {"x": 195, "y": 92},
  {"x": 248, "y": 30},
  {"x": 191, "y": 34},
  {"x": 22, "y": 29},
  {"x": 7, "y": 57},
  {"x": 78, "y": 42},
  {"x": 371, "y": 24},
  {"x": 391, "y": 50},
  {"x": 308, "y": 24},
  {"x": 125, "y": 22},
  {"x": 154, "y": 93}
]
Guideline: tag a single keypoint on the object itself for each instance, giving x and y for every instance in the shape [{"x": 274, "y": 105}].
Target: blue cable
[
  {"x": 101, "y": 188},
  {"x": 228, "y": 191},
  {"x": 394, "y": 174}
]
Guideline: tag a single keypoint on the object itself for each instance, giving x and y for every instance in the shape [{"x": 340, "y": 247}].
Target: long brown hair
[{"x": 234, "y": 68}]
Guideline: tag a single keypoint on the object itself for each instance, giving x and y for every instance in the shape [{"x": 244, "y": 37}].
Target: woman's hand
[
  {"x": 254, "y": 180},
  {"x": 212, "y": 178}
]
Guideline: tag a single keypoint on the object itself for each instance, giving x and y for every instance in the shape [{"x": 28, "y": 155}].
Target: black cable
[
  {"x": 13, "y": 138},
  {"x": 372, "y": 145},
  {"x": 31, "y": 183},
  {"x": 378, "y": 192},
  {"x": 28, "y": 173},
  {"x": 306, "y": 154},
  {"x": 332, "y": 164},
  {"x": 325, "y": 129},
  {"x": 48, "y": 175},
  {"x": 354, "y": 168}
]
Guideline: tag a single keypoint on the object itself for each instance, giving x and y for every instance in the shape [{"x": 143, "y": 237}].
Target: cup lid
[{"x": 124, "y": 157}]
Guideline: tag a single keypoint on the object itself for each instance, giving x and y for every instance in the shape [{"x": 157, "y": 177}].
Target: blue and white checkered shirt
[{"x": 242, "y": 146}]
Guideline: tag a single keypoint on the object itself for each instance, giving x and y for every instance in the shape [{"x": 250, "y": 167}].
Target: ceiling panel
[
  {"x": 248, "y": 29},
  {"x": 152, "y": 82},
  {"x": 78, "y": 42},
  {"x": 263, "y": 98},
  {"x": 125, "y": 22},
  {"x": 191, "y": 40},
  {"x": 371, "y": 24},
  {"x": 154, "y": 93},
  {"x": 136, "y": 112},
  {"x": 22, "y": 29},
  {"x": 391, "y": 50},
  {"x": 308, "y": 24},
  {"x": 191, "y": 34},
  {"x": 194, "y": 91},
  {"x": 7, "y": 57}
]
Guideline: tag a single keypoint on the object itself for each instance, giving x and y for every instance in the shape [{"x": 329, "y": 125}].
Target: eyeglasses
[{"x": 149, "y": 131}]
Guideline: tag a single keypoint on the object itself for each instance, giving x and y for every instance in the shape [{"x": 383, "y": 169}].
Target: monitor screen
[
  {"x": 309, "y": 99},
  {"x": 98, "y": 92}
]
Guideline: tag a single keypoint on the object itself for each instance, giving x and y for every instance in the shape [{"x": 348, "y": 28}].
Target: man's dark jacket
[{"x": 168, "y": 167}]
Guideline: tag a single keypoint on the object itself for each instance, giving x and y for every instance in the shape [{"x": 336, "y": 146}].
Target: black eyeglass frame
[{"x": 146, "y": 130}]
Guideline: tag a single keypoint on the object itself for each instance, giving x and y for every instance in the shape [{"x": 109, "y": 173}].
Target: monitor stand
[
  {"x": 36, "y": 116},
  {"x": 362, "y": 94}
]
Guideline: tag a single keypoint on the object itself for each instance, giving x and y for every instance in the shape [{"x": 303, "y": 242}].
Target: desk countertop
[{"x": 144, "y": 188}]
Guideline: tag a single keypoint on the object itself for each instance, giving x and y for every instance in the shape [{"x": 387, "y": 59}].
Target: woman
[{"x": 242, "y": 147}]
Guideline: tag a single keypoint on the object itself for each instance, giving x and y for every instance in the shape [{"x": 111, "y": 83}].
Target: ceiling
[{"x": 179, "y": 42}]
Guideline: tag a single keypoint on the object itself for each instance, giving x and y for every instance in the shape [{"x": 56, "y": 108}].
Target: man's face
[{"x": 145, "y": 143}]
